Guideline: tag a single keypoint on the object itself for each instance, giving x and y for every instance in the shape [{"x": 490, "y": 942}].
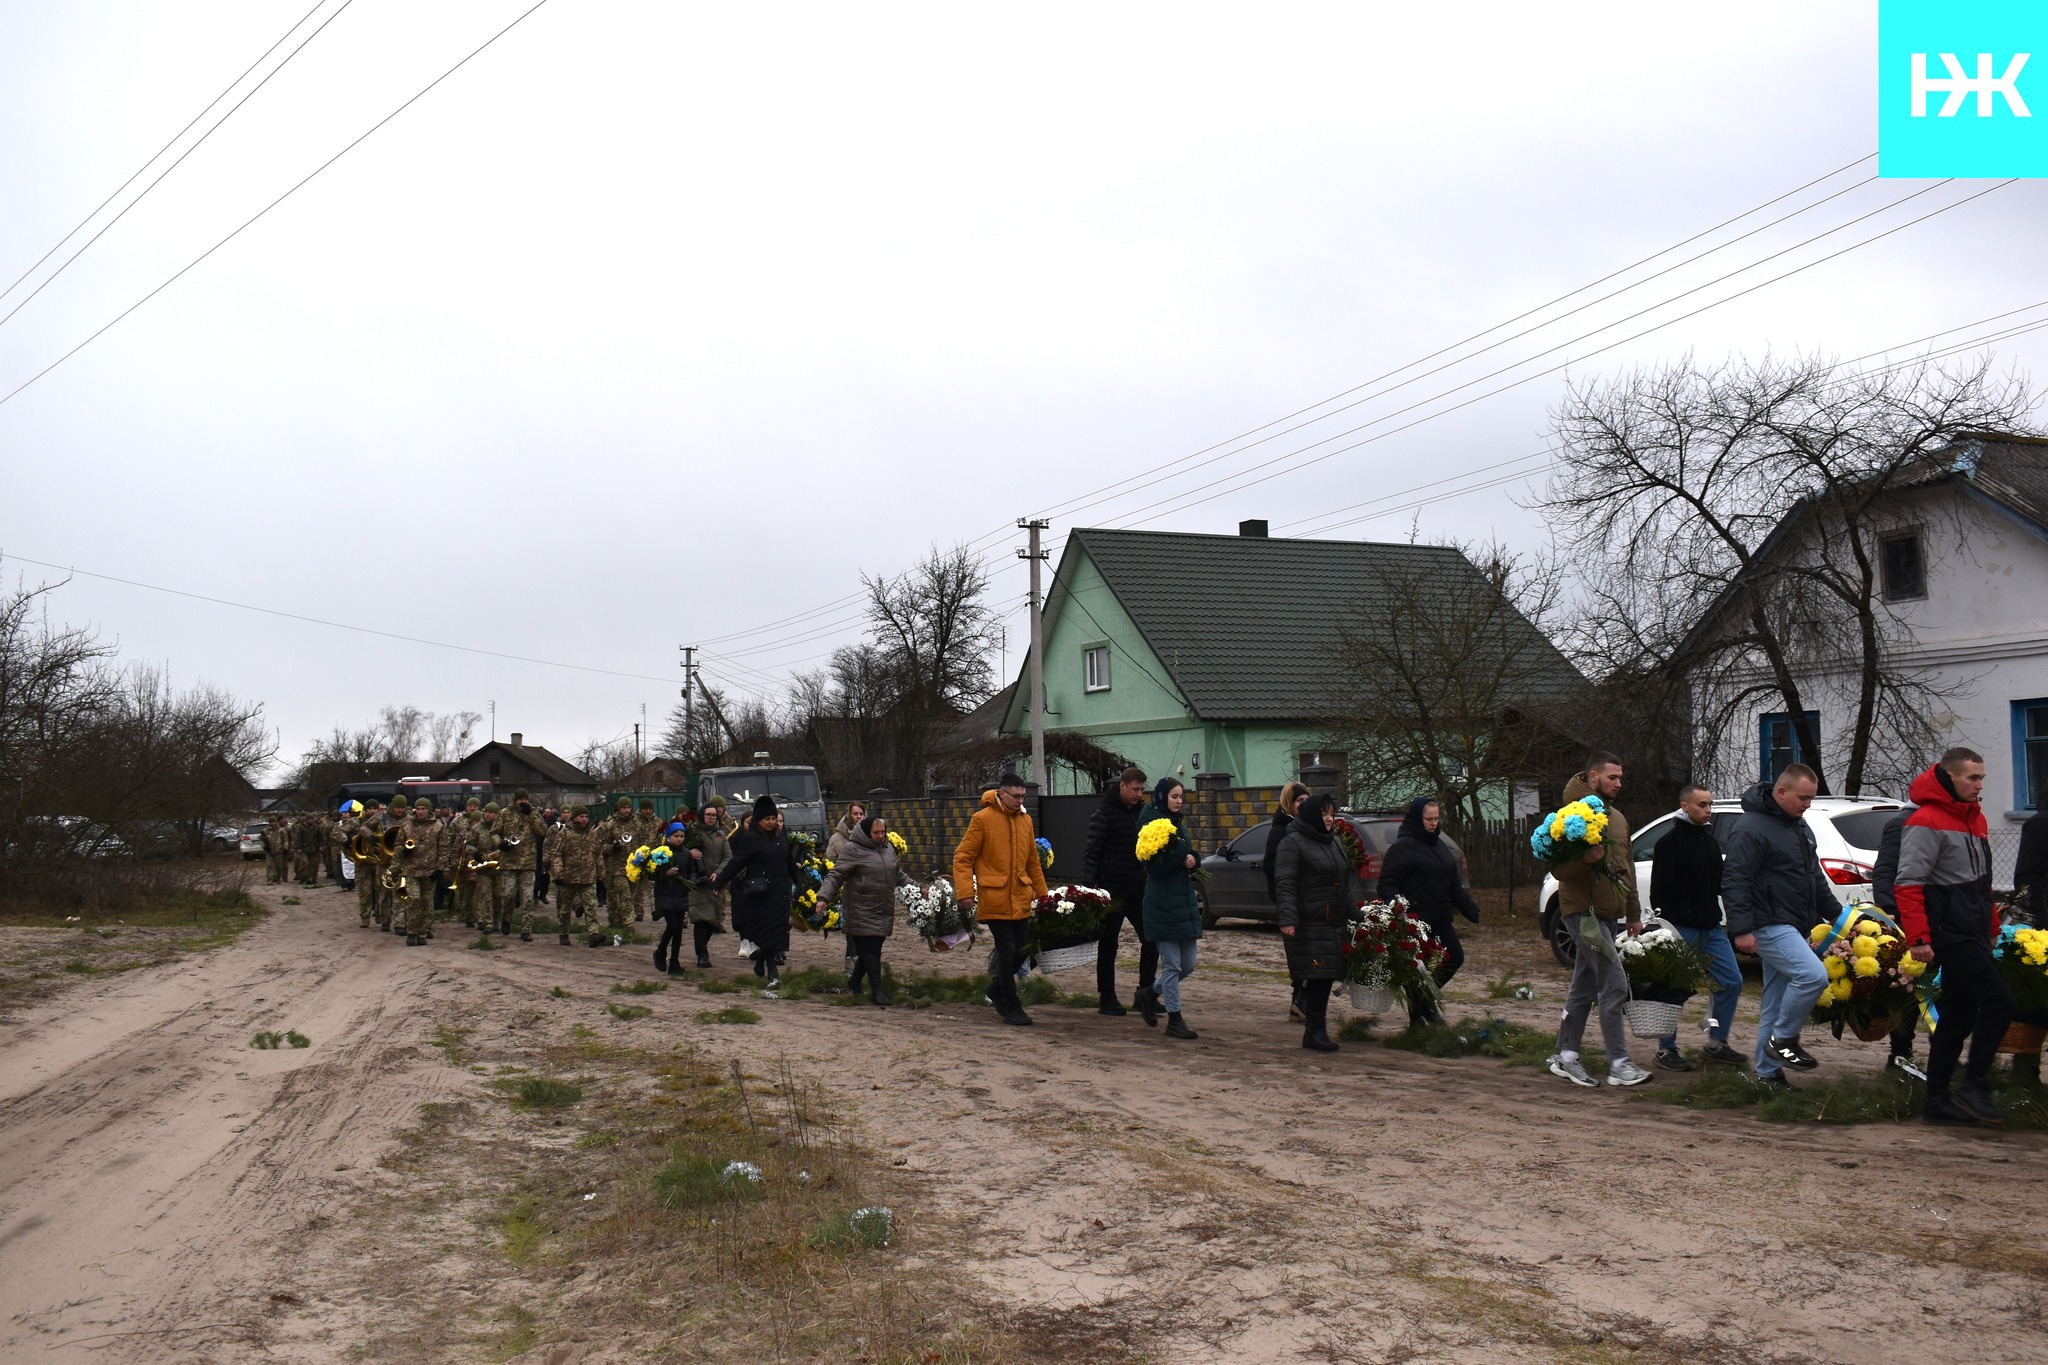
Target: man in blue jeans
[
  {"x": 1685, "y": 888},
  {"x": 1775, "y": 892}
]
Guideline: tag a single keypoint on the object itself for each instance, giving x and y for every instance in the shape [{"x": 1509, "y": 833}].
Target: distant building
[
  {"x": 510, "y": 765},
  {"x": 1211, "y": 653}
]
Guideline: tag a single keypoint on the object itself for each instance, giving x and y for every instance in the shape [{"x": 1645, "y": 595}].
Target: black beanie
[{"x": 764, "y": 808}]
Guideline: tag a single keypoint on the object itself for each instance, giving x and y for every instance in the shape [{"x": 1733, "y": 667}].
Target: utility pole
[
  {"x": 1037, "y": 557},
  {"x": 689, "y": 707},
  {"x": 494, "y": 720}
]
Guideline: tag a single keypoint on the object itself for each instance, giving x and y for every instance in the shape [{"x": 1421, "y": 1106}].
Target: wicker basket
[
  {"x": 1876, "y": 1031},
  {"x": 1371, "y": 999},
  {"x": 1653, "y": 1018},
  {"x": 1066, "y": 959},
  {"x": 2021, "y": 1039}
]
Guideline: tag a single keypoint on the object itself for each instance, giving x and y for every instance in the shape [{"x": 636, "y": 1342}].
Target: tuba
[{"x": 365, "y": 847}]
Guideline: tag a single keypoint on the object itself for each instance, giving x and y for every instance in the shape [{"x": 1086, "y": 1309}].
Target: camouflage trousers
[
  {"x": 306, "y": 869},
  {"x": 483, "y": 900},
  {"x": 465, "y": 897},
  {"x": 576, "y": 898},
  {"x": 366, "y": 891},
  {"x": 618, "y": 899},
  {"x": 276, "y": 866},
  {"x": 515, "y": 903},
  {"x": 419, "y": 907}
]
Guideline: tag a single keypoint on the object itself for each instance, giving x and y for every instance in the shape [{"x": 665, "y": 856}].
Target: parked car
[
  {"x": 1845, "y": 830},
  {"x": 1236, "y": 885},
  {"x": 251, "y": 841},
  {"x": 223, "y": 838}
]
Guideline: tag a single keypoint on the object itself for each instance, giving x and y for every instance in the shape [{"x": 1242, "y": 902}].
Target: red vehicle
[{"x": 452, "y": 795}]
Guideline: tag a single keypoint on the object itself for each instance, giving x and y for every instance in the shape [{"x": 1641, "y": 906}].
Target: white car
[
  {"x": 251, "y": 841},
  {"x": 1846, "y": 832}
]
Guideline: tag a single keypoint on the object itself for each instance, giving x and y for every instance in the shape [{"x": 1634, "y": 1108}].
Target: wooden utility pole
[
  {"x": 1037, "y": 557},
  {"x": 689, "y": 708}
]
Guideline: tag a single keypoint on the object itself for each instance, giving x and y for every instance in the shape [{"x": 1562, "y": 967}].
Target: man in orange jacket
[{"x": 996, "y": 874}]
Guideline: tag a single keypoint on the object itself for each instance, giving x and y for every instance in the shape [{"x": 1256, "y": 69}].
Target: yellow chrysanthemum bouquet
[
  {"x": 1873, "y": 980},
  {"x": 2022, "y": 955},
  {"x": 1156, "y": 835}
]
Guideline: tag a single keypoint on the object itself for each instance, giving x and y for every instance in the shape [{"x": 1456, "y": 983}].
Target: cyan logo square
[{"x": 1962, "y": 88}]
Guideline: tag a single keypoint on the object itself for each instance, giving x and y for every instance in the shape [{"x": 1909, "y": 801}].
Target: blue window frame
[
  {"x": 1778, "y": 746},
  {"x": 2030, "y": 753}
]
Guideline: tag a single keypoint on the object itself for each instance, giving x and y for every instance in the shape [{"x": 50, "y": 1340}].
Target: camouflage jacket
[
  {"x": 423, "y": 859},
  {"x": 572, "y": 855},
  {"x": 483, "y": 841},
  {"x": 277, "y": 838},
  {"x": 519, "y": 837},
  {"x": 616, "y": 840},
  {"x": 455, "y": 842}
]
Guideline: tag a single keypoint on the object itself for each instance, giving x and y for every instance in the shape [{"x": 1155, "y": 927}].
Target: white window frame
[{"x": 1090, "y": 656}]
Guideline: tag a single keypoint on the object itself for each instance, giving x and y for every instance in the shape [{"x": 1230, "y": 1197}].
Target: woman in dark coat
[
  {"x": 868, "y": 873},
  {"x": 1172, "y": 916},
  {"x": 1317, "y": 889},
  {"x": 761, "y": 874},
  {"x": 708, "y": 851},
  {"x": 1421, "y": 868},
  {"x": 1276, "y": 830}
]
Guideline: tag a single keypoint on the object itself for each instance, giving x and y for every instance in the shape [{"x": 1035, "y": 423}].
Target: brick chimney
[
  {"x": 1252, "y": 530},
  {"x": 517, "y": 739}
]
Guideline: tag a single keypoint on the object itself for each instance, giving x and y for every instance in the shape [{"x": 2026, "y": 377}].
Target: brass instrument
[
  {"x": 472, "y": 867},
  {"x": 365, "y": 847},
  {"x": 389, "y": 838},
  {"x": 397, "y": 883}
]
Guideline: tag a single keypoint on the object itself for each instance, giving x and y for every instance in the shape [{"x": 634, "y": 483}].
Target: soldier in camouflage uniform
[
  {"x": 369, "y": 824},
  {"x": 519, "y": 835},
  {"x": 455, "y": 858},
  {"x": 387, "y": 906},
  {"x": 616, "y": 840},
  {"x": 417, "y": 859},
  {"x": 277, "y": 850},
  {"x": 306, "y": 840},
  {"x": 572, "y": 868},
  {"x": 653, "y": 833},
  {"x": 481, "y": 843}
]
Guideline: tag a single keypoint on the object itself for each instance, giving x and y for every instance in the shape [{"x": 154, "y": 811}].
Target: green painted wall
[{"x": 1141, "y": 715}]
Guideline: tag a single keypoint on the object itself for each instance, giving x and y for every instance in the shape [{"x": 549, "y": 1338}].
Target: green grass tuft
[
  {"x": 739, "y": 984},
  {"x": 522, "y": 1232},
  {"x": 1504, "y": 986},
  {"x": 1082, "y": 1002},
  {"x": 298, "y": 1039},
  {"x": 266, "y": 1040},
  {"x": 1359, "y": 1028},
  {"x": 850, "y": 1228},
  {"x": 691, "y": 1180},
  {"x": 618, "y": 1011},
  {"x": 290, "y": 900},
  {"x": 543, "y": 1092},
  {"x": 641, "y": 988},
  {"x": 558, "y": 993},
  {"x": 1516, "y": 1044},
  {"x": 731, "y": 1014},
  {"x": 482, "y": 944}
]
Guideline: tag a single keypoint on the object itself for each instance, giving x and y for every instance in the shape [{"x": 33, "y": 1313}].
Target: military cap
[
  {"x": 492, "y": 806},
  {"x": 398, "y": 801},
  {"x": 521, "y": 795},
  {"x": 624, "y": 803}
]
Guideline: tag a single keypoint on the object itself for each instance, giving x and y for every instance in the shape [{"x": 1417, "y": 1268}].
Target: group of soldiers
[{"x": 483, "y": 858}]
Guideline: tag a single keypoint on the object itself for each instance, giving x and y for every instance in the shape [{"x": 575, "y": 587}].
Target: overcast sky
[{"x": 657, "y": 323}]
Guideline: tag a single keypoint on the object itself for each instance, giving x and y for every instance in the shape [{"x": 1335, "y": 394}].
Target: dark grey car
[{"x": 1236, "y": 887}]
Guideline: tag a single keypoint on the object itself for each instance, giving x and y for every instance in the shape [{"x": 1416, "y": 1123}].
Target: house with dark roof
[
  {"x": 1212, "y": 654},
  {"x": 510, "y": 765},
  {"x": 1962, "y": 563}
]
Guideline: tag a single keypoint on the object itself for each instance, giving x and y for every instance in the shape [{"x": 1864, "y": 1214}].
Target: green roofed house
[{"x": 1212, "y": 654}]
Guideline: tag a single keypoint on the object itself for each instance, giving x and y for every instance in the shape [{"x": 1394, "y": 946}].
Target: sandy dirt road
[{"x": 169, "y": 1194}]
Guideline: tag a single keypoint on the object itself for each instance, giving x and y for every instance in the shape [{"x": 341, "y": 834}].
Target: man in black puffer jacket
[
  {"x": 1775, "y": 892},
  {"x": 1421, "y": 869},
  {"x": 1110, "y": 863}
]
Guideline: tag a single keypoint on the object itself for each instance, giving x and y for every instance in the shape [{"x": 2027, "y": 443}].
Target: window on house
[
  {"x": 1095, "y": 660},
  {"x": 1904, "y": 564},
  {"x": 2030, "y": 753},
  {"x": 1780, "y": 745}
]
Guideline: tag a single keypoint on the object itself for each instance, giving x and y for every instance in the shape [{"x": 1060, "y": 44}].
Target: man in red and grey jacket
[{"x": 1944, "y": 895}]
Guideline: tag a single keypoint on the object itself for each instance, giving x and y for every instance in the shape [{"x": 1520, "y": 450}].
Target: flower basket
[
  {"x": 1370, "y": 999},
  {"x": 1066, "y": 959},
  {"x": 1067, "y": 918},
  {"x": 1653, "y": 1018},
  {"x": 2021, "y": 1039},
  {"x": 1872, "y": 979},
  {"x": 1872, "y": 1030},
  {"x": 1392, "y": 955},
  {"x": 935, "y": 916}
]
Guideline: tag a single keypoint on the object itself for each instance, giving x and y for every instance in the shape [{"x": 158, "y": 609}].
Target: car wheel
[
  {"x": 1561, "y": 946},
  {"x": 1208, "y": 915}
]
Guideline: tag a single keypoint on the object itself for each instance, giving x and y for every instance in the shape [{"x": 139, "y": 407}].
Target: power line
[
  {"x": 59, "y": 245},
  {"x": 337, "y": 625},
  {"x": 87, "y": 245},
  {"x": 272, "y": 204}
]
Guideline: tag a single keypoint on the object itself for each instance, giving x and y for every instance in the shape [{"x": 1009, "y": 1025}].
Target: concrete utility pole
[
  {"x": 1037, "y": 557},
  {"x": 689, "y": 709}
]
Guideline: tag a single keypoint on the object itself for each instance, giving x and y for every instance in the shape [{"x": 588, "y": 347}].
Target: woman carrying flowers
[
  {"x": 706, "y": 846},
  {"x": 671, "y": 878},
  {"x": 1318, "y": 889},
  {"x": 1172, "y": 915},
  {"x": 1423, "y": 871},
  {"x": 868, "y": 874}
]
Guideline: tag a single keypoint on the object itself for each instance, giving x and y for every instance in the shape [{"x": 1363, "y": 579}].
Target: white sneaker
[
  {"x": 1571, "y": 1070},
  {"x": 1623, "y": 1071}
]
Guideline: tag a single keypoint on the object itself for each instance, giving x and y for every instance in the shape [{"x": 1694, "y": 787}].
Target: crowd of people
[{"x": 1762, "y": 895}]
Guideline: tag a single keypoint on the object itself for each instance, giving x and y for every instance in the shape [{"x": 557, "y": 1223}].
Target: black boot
[
  {"x": 1148, "y": 1005},
  {"x": 704, "y": 962},
  {"x": 1176, "y": 1027},
  {"x": 872, "y": 964},
  {"x": 1297, "y": 1012},
  {"x": 857, "y": 975},
  {"x": 1316, "y": 1039}
]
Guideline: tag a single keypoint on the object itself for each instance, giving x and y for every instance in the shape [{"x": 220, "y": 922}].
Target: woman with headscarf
[
  {"x": 1172, "y": 916},
  {"x": 761, "y": 873},
  {"x": 1316, "y": 889},
  {"x": 868, "y": 874},
  {"x": 1276, "y": 830},
  {"x": 1422, "y": 868}
]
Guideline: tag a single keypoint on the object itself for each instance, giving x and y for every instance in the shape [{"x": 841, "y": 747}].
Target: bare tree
[
  {"x": 610, "y": 761},
  {"x": 1735, "y": 514},
  {"x": 57, "y": 689},
  {"x": 932, "y": 632},
  {"x": 1453, "y": 679}
]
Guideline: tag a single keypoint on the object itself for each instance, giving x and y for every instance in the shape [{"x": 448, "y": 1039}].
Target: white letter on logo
[{"x": 1985, "y": 87}]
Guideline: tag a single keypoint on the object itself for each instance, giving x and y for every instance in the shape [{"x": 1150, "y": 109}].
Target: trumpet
[{"x": 472, "y": 867}]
